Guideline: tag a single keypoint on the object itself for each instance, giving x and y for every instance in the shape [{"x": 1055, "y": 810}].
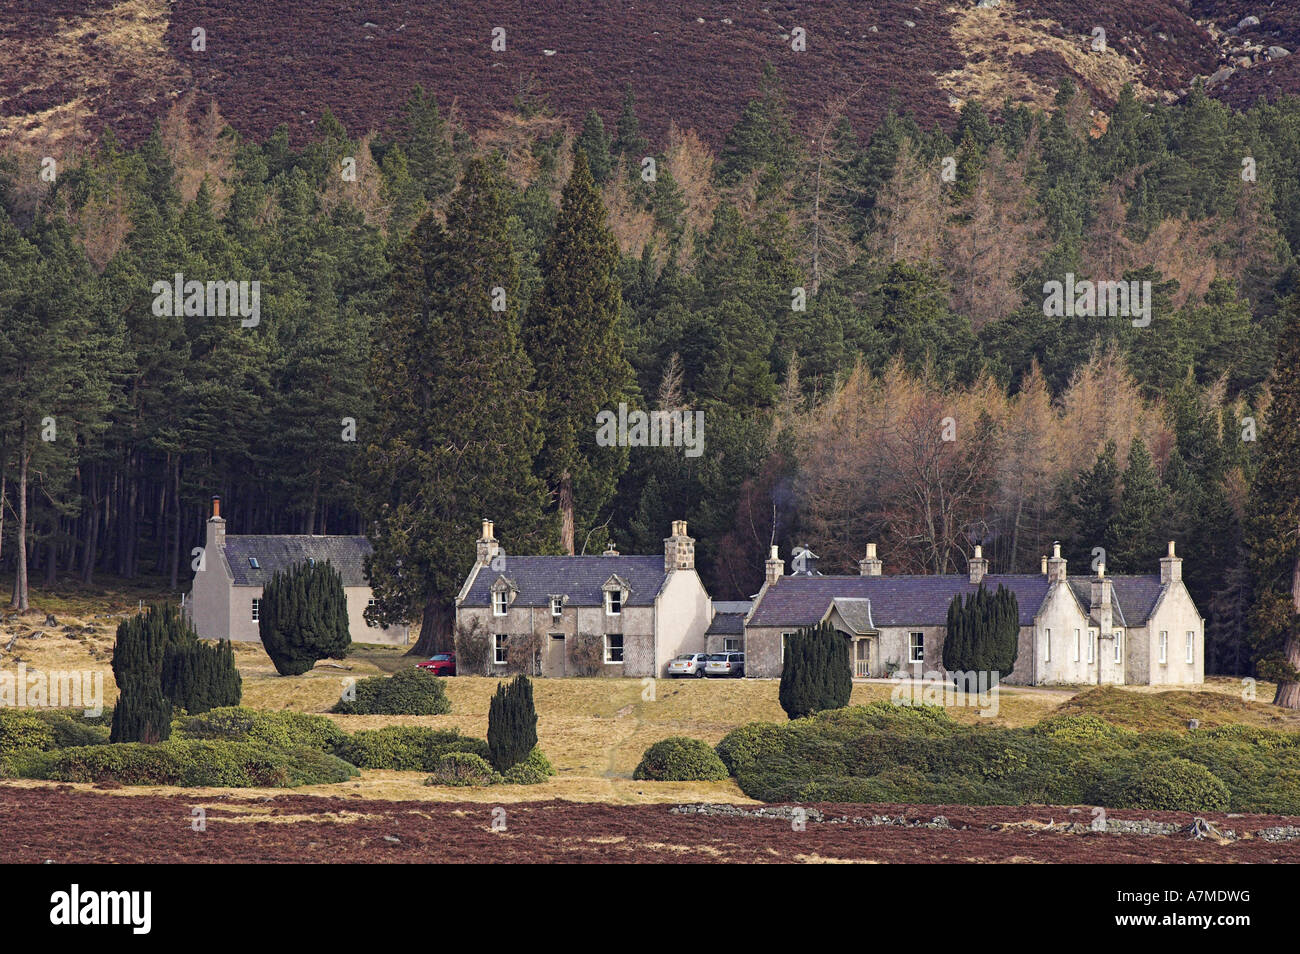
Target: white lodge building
[
  {"x": 225, "y": 598},
  {"x": 1132, "y": 629}
]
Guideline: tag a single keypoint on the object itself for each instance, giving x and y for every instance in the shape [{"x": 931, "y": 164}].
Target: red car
[{"x": 443, "y": 664}]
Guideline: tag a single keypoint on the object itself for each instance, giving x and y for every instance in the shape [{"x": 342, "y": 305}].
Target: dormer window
[
  {"x": 613, "y": 602},
  {"x": 500, "y": 602},
  {"x": 557, "y": 606}
]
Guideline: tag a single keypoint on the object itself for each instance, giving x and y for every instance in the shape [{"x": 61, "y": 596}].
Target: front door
[
  {"x": 862, "y": 658},
  {"x": 553, "y": 655}
]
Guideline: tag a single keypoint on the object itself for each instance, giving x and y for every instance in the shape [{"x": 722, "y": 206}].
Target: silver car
[
  {"x": 726, "y": 664},
  {"x": 688, "y": 664}
]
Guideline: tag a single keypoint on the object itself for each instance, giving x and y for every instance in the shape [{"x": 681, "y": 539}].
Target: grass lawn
[{"x": 593, "y": 730}]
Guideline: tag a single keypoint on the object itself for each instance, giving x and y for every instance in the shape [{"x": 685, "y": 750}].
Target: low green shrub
[
  {"x": 1176, "y": 785},
  {"x": 21, "y": 730},
  {"x": 408, "y": 692},
  {"x": 680, "y": 759},
  {"x": 284, "y": 728},
  {"x": 71, "y": 727},
  {"x": 531, "y": 771},
  {"x": 189, "y": 762},
  {"x": 464, "y": 769},
  {"x": 405, "y": 748}
]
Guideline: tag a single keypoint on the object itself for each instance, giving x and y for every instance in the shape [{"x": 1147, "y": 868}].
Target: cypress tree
[
  {"x": 817, "y": 674},
  {"x": 1273, "y": 525},
  {"x": 303, "y": 617},
  {"x": 572, "y": 335},
  {"x": 456, "y": 425},
  {"x": 983, "y": 632},
  {"x": 158, "y": 663},
  {"x": 512, "y": 723}
]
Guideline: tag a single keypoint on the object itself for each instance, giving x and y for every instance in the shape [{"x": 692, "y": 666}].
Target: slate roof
[
  {"x": 895, "y": 600},
  {"x": 280, "y": 551},
  {"x": 923, "y": 600},
  {"x": 1132, "y": 598},
  {"x": 856, "y": 613},
  {"x": 728, "y": 617},
  {"x": 579, "y": 578}
]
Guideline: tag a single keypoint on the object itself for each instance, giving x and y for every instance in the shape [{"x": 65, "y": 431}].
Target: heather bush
[{"x": 408, "y": 692}]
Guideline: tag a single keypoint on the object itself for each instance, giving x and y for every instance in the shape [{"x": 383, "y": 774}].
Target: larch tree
[
  {"x": 1273, "y": 525},
  {"x": 572, "y": 334},
  {"x": 456, "y": 427}
]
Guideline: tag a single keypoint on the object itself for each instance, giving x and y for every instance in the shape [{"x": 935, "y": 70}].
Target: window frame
[
  {"x": 609, "y": 602},
  {"x": 1119, "y": 646},
  {"x": 609, "y": 648},
  {"x": 915, "y": 644},
  {"x": 1092, "y": 646},
  {"x": 256, "y": 609},
  {"x": 500, "y": 649},
  {"x": 1164, "y": 647},
  {"x": 1047, "y": 645},
  {"x": 500, "y": 603},
  {"x": 557, "y": 607},
  {"x": 1190, "y": 657}
]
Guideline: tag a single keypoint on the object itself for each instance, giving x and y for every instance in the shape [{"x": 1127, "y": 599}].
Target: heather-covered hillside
[{"x": 67, "y": 69}]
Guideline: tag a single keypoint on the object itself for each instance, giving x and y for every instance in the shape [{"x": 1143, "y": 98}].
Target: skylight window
[{"x": 252, "y": 561}]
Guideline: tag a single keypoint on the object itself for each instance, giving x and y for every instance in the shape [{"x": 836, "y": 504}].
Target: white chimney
[
  {"x": 774, "y": 566},
  {"x": 1171, "y": 567},
  {"x": 1056, "y": 565},
  {"x": 870, "y": 566},
  {"x": 488, "y": 546}
]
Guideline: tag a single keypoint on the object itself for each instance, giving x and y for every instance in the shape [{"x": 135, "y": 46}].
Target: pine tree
[
  {"x": 429, "y": 147},
  {"x": 628, "y": 141},
  {"x": 593, "y": 142},
  {"x": 303, "y": 617},
  {"x": 1273, "y": 525},
  {"x": 572, "y": 334},
  {"x": 456, "y": 424},
  {"x": 1140, "y": 518},
  {"x": 512, "y": 723},
  {"x": 1091, "y": 507}
]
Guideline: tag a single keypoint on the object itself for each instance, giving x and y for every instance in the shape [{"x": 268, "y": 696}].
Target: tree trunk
[
  {"x": 20, "y": 602},
  {"x": 435, "y": 628},
  {"x": 1288, "y": 691},
  {"x": 176, "y": 522},
  {"x": 92, "y": 532},
  {"x": 566, "y": 512}
]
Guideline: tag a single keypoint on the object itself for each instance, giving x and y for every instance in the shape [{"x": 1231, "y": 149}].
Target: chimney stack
[
  {"x": 679, "y": 549},
  {"x": 1171, "y": 567},
  {"x": 1100, "y": 604},
  {"x": 979, "y": 567},
  {"x": 775, "y": 567},
  {"x": 216, "y": 530},
  {"x": 488, "y": 546},
  {"x": 1056, "y": 565},
  {"x": 870, "y": 566}
]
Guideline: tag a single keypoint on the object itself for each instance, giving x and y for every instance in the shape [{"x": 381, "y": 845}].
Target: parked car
[
  {"x": 726, "y": 664},
  {"x": 688, "y": 664},
  {"x": 442, "y": 664}
]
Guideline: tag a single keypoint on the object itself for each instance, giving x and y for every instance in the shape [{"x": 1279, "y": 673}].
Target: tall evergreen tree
[
  {"x": 457, "y": 428},
  {"x": 303, "y": 617},
  {"x": 1273, "y": 525},
  {"x": 573, "y": 336},
  {"x": 1091, "y": 507},
  {"x": 817, "y": 673},
  {"x": 512, "y": 723},
  {"x": 593, "y": 141},
  {"x": 1141, "y": 516}
]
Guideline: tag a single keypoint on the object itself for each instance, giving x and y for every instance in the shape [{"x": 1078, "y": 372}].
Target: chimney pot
[
  {"x": 1044, "y": 565},
  {"x": 1056, "y": 551},
  {"x": 216, "y": 507}
]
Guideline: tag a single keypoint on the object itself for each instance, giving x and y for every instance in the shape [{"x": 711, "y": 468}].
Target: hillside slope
[{"x": 68, "y": 69}]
